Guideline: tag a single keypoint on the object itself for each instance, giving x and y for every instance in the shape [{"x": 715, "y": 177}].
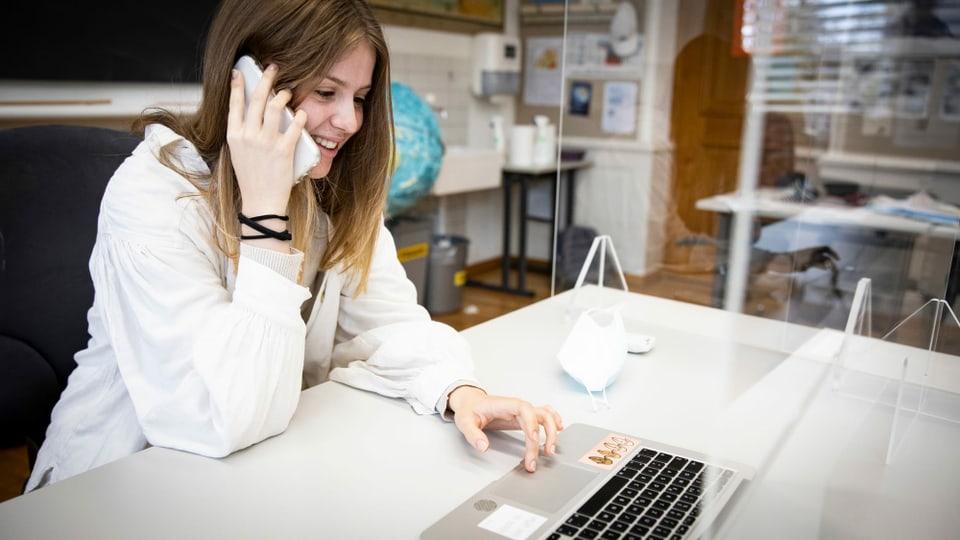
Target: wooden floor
[
  {"x": 481, "y": 304},
  {"x": 13, "y": 471}
]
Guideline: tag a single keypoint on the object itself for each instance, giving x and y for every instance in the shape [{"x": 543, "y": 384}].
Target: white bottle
[
  {"x": 496, "y": 133},
  {"x": 545, "y": 142}
]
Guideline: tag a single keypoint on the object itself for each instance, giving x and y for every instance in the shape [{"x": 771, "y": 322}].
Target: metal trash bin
[
  {"x": 412, "y": 237},
  {"x": 446, "y": 274}
]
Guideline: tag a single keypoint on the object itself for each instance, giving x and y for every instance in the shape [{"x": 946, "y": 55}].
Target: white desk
[
  {"x": 799, "y": 231},
  {"x": 771, "y": 203},
  {"x": 715, "y": 381}
]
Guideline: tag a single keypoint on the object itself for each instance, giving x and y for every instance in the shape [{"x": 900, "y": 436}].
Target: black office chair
[{"x": 51, "y": 181}]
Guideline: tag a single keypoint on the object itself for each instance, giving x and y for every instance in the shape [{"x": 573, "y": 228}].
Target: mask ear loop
[{"x": 593, "y": 400}]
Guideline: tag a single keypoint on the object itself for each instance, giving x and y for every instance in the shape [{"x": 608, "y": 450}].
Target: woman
[{"x": 204, "y": 329}]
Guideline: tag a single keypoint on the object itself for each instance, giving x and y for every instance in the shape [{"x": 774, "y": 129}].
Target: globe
[{"x": 418, "y": 150}]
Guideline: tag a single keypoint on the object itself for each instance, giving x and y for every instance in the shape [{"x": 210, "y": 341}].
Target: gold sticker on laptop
[{"x": 609, "y": 451}]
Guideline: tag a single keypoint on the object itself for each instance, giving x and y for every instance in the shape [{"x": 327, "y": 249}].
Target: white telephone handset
[{"x": 307, "y": 155}]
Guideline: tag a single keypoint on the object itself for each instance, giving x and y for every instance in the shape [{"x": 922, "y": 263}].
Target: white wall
[{"x": 439, "y": 63}]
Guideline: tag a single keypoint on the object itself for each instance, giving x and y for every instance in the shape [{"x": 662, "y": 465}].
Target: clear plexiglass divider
[{"x": 907, "y": 382}]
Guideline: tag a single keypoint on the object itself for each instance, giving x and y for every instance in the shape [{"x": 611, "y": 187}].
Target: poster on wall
[
  {"x": 884, "y": 87},
  {"x": 916, "y": 79},
  {"x": 581, "y": 93},
  {"x": 950, "y": 105},
  {"x": 543, "y": 74},
  {"x": 484, "y": 11},
  {"x": 592, "y": 55},
  {"x": 619, "y": 107}
]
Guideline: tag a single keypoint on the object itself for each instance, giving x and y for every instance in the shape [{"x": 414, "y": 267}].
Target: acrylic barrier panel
[
  {"x": 715, "y": 200},
  {"x": 863, "y": 440},
  {"x": 822, "y": 447},
  {"x": 715, "y": 383},
  {"x": 877, "y": 443},
  {"x": 908, "y": 381}
]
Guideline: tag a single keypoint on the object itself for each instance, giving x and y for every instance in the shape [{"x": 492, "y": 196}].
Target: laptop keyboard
[{"x": 655, "y": 495}]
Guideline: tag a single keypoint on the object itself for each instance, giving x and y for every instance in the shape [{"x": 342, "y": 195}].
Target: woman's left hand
[{"x": 474, "y": 411}]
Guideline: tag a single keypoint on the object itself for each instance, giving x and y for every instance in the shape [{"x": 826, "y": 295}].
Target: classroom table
[
  {"x": 353, "y": 464},
  {"x": 800, "y": 225},
  {"x": 523, "y": 176}
]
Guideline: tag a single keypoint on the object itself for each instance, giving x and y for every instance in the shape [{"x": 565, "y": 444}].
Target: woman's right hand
[{"x": 262, "y": 156}]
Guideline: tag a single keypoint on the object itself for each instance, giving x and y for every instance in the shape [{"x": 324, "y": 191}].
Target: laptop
[{"x": 601, "y": 484}]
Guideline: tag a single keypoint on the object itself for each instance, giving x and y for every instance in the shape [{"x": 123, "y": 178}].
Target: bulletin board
[
  {"x": 903, "y": 106},
  {"x": 596, "y": 92},
  {"x": 603, "y": 108},
  {"x": 468, "y": 16},
  {"x": 592, "y": 105}
]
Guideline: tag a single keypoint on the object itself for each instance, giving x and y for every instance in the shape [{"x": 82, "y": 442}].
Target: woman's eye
[{"x": 326, "y": 94}]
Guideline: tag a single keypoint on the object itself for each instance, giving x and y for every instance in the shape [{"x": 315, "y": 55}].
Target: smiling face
[{"x": 334, "y": 104}]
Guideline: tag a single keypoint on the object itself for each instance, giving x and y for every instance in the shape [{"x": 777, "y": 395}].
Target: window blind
[{"x": 828, "y": 56}]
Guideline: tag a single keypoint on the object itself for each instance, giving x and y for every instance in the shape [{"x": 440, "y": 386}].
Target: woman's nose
[{"x": 346, "y": 117}]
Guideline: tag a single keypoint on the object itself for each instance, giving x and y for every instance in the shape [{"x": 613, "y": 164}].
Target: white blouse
[{"x": 185, "y": 353}]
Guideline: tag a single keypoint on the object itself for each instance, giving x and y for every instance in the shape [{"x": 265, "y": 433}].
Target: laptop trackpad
[{"x": 548, "y": 489}]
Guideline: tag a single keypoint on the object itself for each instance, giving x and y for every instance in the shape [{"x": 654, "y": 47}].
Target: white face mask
[{"x": 594, "y": 351}]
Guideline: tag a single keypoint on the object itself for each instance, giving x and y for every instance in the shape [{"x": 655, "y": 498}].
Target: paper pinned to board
[{"x": 620, "y": 107}]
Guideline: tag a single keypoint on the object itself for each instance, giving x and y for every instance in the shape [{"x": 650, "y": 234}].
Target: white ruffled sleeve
[
  {"x": 388, "y": 344},
  {"x": 209, "y": 371}
]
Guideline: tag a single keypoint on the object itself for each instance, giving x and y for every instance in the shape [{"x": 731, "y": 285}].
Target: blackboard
[{"x": 107, "y": 40}]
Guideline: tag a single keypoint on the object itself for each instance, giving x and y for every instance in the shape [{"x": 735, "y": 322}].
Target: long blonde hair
[{"x": 304, "y": 38}]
